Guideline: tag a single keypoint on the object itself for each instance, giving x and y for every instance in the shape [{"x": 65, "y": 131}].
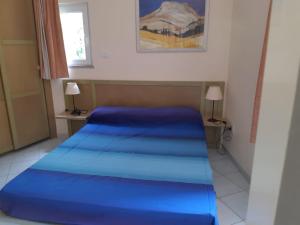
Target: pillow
[{"x": 143, "y": 115}]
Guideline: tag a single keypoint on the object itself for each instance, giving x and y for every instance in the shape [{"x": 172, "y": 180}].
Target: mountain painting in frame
[{"x": 172, "y": 25}]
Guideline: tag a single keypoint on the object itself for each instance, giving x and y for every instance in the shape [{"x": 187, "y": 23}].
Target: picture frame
[{"x": 158, "y": 30}]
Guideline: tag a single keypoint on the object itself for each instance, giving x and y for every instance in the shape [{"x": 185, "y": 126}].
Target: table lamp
[
  {"x": 73, "y": 89},
  {"x": 214, "y": 93}
]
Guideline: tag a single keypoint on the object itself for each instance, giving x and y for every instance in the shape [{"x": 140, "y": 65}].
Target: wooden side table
[
  {"x": 214, "y": 132},
  {"x": 75, "y": 122}
]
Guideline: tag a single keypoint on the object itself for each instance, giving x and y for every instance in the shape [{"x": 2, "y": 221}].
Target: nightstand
[
  {"x": 75, "y": 122},
  {"x": 214, "y": 133}
]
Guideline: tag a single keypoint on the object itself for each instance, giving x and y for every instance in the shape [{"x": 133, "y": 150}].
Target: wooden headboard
[{"x": 144, "y": 93}]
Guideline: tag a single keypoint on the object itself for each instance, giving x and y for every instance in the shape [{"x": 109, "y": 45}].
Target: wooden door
[
  {"x": 24, "y": 92},
  {"x": 5, "y": 134},
  {"x": 23, "y": 87}
]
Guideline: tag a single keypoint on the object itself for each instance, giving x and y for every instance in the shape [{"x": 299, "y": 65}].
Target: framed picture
[{"x": 172, "y": 25}]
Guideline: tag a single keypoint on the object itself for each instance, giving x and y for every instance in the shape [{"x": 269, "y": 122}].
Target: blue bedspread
[
  {"x": 136, "y": 173},
  {"x": 172, "y": 139}
]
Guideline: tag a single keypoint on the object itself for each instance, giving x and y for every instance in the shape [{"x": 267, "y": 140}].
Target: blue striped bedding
[
  {"x": 127, "y": 166},
  {"x": 139, "y": 140}
]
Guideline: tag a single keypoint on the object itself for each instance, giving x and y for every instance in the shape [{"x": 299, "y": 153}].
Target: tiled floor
[
  {"x": 231, "y": 187},
  {"x": 232, "y": 190}
]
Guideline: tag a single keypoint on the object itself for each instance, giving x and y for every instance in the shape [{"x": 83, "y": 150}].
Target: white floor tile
[
  {"x": 226, "y": 215},
  {"x": 27, "y": 160},
  {"x": 6, "y": 159},
  {"x": 224, "y": 187},
  {"x": 3, "y": 179},
  {"x": 224, "y": 166},
  {"x": 19, "y": 167},
  {"x": 213, "y": 155},
  {"x": 43, "y": 155},
  {"x": 5, "y": 220},
  {"x": 26, "y": 155},
  {"x": 216, "y": 174},
  {"x": 4, "y": 168},
  {"x": 238, "y": 203},
  {"x": 2, "y": 182},
  {"x": 49, "y": 145},
  {"x": 241, "y": 223},
  {"x": 238, "y": 179}
]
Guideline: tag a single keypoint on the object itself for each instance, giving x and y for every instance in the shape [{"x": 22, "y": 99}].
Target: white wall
[
  {"x": 113, "y": 34},
  {"x": 248, "y": 30},
  {"x": 282, "y": 72},
  {"x": 288, "y": 205}
]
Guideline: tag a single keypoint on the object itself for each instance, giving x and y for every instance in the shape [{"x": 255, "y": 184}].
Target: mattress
[{"x": 126, "y": 166}]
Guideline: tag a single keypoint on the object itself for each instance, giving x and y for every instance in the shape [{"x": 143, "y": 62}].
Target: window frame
[{"x": 83, "y": 8}]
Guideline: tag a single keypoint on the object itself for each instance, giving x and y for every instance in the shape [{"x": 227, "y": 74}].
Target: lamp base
[
  {"x": 212, "y": 120},
  {"x": 76, "y": 112}
]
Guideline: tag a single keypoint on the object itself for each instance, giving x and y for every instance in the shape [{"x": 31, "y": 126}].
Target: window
[{"x": 75, "y": 27}]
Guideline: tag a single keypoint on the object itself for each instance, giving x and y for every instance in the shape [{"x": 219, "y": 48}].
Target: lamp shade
[
  {"x": 214, "y": 93},
  {"x": 72, "y": 89}
]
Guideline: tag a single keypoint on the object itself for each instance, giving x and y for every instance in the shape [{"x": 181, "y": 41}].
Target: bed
[{"x": 126, "y": 166}]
